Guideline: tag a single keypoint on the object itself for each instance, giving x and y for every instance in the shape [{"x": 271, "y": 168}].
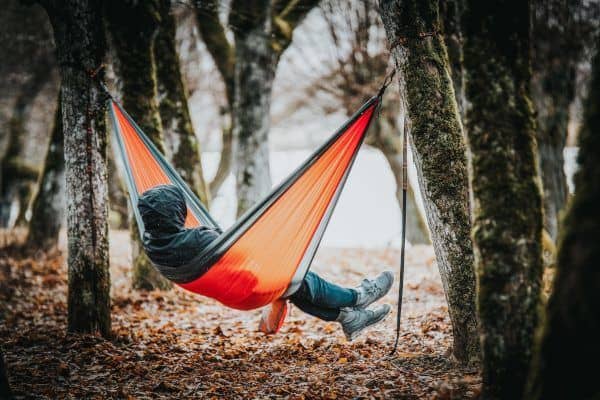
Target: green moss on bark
[
  {"x": 413, "y": 29},
  {"x": 133, "y": 27},
  {"x": 80, "y": 47},
  {"x": 564, "y": 367},
  {"x": 173, "y": 107},
  {"x": 507, "y": 212}
]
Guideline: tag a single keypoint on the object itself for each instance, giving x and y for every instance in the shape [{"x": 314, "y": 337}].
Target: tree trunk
[
  {"x": 133, "y": 29},
  {"x": 181, "y": 142},
  {"x": 564, "y": 366},
  {"x": 507, "y": 212},
  {"x": 80, "y": 44},
  {"x": 5, "y": 392},
  {"x": 49, "y": 204},
  {"x": 18, "y": 176},
  {"x": 452, "y": 11},
  {"x": 254, "y": 74},
  {"x": 384, "y": 135},
  {"x": 440, "y": 155},
  {"x": 553, "y": 90}
]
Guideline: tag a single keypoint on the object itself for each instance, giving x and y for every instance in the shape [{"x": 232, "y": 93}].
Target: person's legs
[
  {"x": 321, "y": 294},
  {"x": 326, "y": 314},
  {"x": 330, "y": 302}
]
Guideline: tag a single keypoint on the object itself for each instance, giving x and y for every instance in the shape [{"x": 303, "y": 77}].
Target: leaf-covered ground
[{"x": 179, "y": 345}]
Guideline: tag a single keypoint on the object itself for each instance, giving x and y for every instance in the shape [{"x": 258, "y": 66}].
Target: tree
[
  {"x": 181, "y": 142},
  {"x": 133, "y": 28},
  {"x": 262, "y": 31},
  {"x": 80, "y": 49},
  {"x": 569, "y": 342},
  {"x": 451, "y": 14},
  {"x": 18, "y": 175},
  {"x": 427, "y": 98},
  {"x": 507, "y": 208},
  {"x": 28, "y": 69},
  {"x": 48, "y": 207}
]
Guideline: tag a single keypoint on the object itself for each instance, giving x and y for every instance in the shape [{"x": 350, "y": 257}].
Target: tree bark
[
  {"x": 569, "y": 348},
  {"x": 133, "y": 28},
  {"x": 49, "y": 204},
  {"x": 262, "y": 30},
  {"x": 507, "y": 208},
  {"x": 439, "y": 150},
  {"x": 181, "y": 142},
  {"x": 452, "y": 11},
  {"x": 80, "y": 45},
  {"x": 254, "y": 74}
]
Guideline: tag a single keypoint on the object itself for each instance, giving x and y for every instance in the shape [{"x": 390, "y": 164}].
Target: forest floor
[{"x": 178, "y": 345}]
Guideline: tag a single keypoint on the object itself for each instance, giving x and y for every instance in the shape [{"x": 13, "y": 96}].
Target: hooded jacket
[{"x": 166, "y": 241}]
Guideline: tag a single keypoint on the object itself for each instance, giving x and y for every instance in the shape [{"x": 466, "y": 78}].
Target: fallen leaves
[{"x": 178, "y": 345}]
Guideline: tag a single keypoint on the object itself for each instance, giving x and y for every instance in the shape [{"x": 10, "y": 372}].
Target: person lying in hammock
[{"x": 167, "y": 242}]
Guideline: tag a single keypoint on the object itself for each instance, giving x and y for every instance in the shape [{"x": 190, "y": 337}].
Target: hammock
[{"x": 265, "y": 255}]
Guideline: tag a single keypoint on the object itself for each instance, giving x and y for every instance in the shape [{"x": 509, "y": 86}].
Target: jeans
[{"x": 322, "y": 299}]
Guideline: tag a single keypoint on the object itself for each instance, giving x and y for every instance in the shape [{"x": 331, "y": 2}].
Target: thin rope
[{"x": 403, "y": 246}]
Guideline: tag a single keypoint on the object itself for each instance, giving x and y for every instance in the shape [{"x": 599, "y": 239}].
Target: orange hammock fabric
[{"x": 265, "y": 255}]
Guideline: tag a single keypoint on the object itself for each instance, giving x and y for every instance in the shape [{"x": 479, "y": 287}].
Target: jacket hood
[{"x": 163, "y": 209}]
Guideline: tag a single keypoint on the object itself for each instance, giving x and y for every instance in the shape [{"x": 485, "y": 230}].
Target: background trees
[
  {"x": 507, "y": 207},
  {"x": 262, "y": 30},
  {"x": 569, "y": 342},
  {"x": 48, "y": 209}
]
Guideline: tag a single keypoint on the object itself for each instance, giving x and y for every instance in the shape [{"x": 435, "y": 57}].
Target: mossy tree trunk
[
  {"x": 254, "y": 74},
  {"x": 49, "y": 204},
  {"x": 565, "y": 364},
  {"x": 507, "y": 209},
  {"x": 181, "y": 142},
  {"x": 451, "y": 14},
  {"x": 80, "y": 45},
  {"x": 133, "y": 27},
  {"x": 439, "y": 150},
  {"x": 17, "y": 175},
  {"x": 262, "y": 31}
]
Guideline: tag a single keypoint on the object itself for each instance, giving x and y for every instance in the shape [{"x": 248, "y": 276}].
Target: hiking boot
[
  {"x": 372, "y": 290},
  {"x": 355, "y": 320}
]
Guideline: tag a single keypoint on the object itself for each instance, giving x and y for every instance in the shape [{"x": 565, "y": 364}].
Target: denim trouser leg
[{"x": 322, "y": 299}]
